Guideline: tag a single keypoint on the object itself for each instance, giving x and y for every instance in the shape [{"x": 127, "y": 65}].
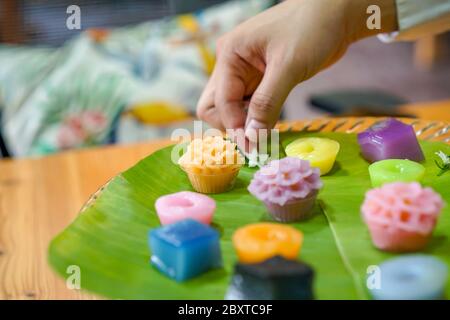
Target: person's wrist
[{"x": 358, "y": 16}]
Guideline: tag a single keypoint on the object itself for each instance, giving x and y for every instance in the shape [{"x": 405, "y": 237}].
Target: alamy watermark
[
  {"x": 374, "y": 20},
  {"x": 373, "y": 280},
  {"x": 73, "y": 21},
  {"x": 73, "y": 281},
  {"x": 259, "y": 146}
]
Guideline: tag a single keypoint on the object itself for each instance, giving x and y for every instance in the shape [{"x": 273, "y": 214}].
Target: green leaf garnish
[{"x": 444, "y": 163}]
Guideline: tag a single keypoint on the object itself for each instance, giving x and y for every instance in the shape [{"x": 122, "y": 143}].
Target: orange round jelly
[{"x": 260, "y": 241}]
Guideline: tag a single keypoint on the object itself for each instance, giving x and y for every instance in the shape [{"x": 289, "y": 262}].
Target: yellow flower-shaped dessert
[{"x": 211, "y": 164}]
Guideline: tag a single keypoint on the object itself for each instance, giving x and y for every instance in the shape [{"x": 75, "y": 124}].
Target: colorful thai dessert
[
  {"x": 320, "y": 152},
  {"x": 288, "y": 187},
  {"x": 392, "y": 170},
  {"x": 390, "y": 139},
  {"x": 183, "y": 205},
  {"x": 401, "y": 216},
  {"x": 211, "y": 164},
  {"x": 185, "y": 249},
  {"x": 257, "y": 242},
  {"x": 276, "y": 278},
  {"x": 411, "y": 277}
]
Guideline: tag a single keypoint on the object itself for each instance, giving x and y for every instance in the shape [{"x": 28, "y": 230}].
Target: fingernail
[{"x": 251, "y": 129}]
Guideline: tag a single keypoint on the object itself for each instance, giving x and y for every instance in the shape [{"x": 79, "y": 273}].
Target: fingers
[
  {"x": 222, "y": 103},
  {"x": 230, "y": 91},
  {"x": 206, "y": 110},
  {"x": 267, "y": 100}
]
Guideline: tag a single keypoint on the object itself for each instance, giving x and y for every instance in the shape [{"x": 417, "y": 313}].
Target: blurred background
[{"x": 135, "y": 70}]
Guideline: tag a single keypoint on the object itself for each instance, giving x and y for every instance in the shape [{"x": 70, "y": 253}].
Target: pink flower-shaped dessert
[
  {"x": 182, "y": 205},
  {"x": 283, "y": 180},
  {"x": 288, "y": 187},
  {"x": 401, "y": 216}
]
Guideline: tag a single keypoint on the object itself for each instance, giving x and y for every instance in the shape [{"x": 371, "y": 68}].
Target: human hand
[{"x": 264, "y": 58}]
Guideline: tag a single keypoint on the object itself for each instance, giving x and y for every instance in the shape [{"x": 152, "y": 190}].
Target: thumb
[{"x": 267, "y": 100}]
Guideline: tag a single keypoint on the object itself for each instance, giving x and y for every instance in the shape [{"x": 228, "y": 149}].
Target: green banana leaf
[{"x": 108, "y": 241}]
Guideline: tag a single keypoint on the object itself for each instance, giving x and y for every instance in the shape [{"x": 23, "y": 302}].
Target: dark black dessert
[{"x": 276, "y": 278}]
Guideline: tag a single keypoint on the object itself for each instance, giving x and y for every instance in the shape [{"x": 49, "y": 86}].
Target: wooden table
[{"x": 38, "y": 199}]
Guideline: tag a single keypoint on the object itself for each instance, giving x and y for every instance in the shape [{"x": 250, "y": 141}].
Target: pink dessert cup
[
  {"x": 401, "y": 216},
  {"x": 397, "y": 240},
  {"x": 293, "y": 210},
  {"x": 182, "y": 205}
]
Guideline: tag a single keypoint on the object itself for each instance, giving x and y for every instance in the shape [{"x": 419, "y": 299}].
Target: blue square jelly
[{"x": 185, "y": 249}]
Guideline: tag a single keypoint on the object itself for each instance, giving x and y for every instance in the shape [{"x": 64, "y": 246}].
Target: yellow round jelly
[
  {"x": 320, "y": 152},
  {"x": 260, "y": 241}
]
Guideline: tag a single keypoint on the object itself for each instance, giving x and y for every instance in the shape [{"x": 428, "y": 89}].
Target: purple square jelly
[
  {"x": 390, "y": 139},
  {"x": 185, "y": 249}
]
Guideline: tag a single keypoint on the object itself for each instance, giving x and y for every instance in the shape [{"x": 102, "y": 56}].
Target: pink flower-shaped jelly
[
  {"x": 284, "y": 180},
  {"x": 182, "y": 205},
  {"x": 404, "y": 206}
]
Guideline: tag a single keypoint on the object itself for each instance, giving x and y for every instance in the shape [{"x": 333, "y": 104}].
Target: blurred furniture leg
[
  {"x": 3, "y": 150},
  {"x": 358, "y": 102},
  {"x": 427, "y": 51},
  {"x": 11, "y": 27}
]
